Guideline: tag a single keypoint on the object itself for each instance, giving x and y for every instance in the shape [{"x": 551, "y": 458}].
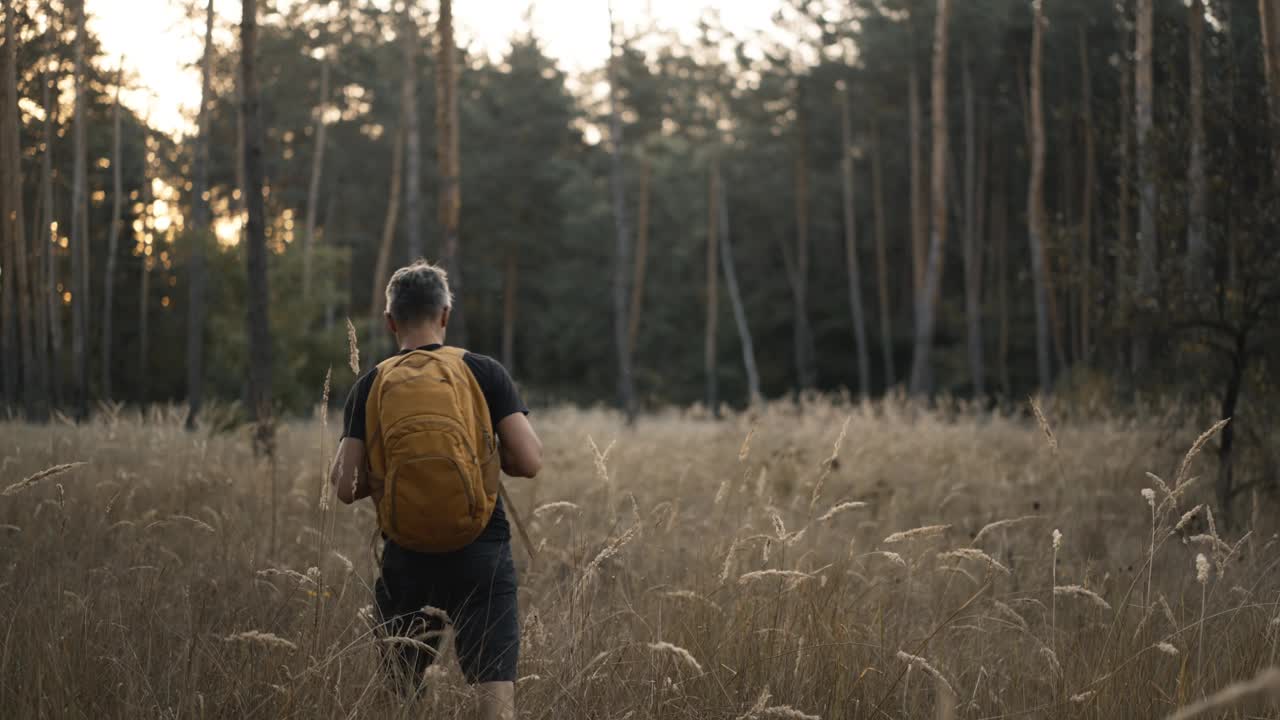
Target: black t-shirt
[{"x": 500, "y": 395}]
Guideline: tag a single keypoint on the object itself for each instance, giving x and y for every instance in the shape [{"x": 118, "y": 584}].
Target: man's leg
[
  {"x": 488, "y": 629},
  {"x": 497, "y": 700},
  {"x": 399, "y": 596}
]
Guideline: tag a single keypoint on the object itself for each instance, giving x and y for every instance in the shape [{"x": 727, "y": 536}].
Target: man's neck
[{"x": 420, "y": 338}]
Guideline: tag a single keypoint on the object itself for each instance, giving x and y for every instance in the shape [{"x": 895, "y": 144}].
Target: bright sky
[{"x": 160, "y": 46}]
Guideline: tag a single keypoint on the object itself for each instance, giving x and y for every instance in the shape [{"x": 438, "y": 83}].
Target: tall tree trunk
[
  {"x": 1197, "y": 241},
  {"x": 972, "y": 263},
  {"x": 200, "y": 234},
  {"x": 1121, "y": 282},
  {"x": 851, "y": 246},
  {"x": 712, "y": 326},
  {"x": 113, "y": 238},
  {"x": 798, "y": 265},
  {"x": 642, "y": 257},
  {"x": 1146, "y": 190},
  {"x": 150, "y": 245},
  {"x": 622, "y": 246},
  {"x": 510, "y": 287},
  {"x": 258, "y": 299},
  {"x": 313, "y": 187},
  {"x": 450, "y": 205},
  {"x": 49, "y": 240},
  {"x": 413, "y": 139},
  {"x": 1036, "y": 221},
  {"x": 8, "y": 315},
  {"x": 1087, "y": 200},
  {"x": 14, "y": 220},
  {"x": 1000, "y": 238},
  {"x": 382, "y": 267},
  {"x": 921, "y": 365},
  {"x": 80, "y": 303},
  {"x": 1269, "y": 15},
  {"x": 882, "y": 262},
  {"x": 919, "y": 214},
  {"x": 727, "y": 265}
]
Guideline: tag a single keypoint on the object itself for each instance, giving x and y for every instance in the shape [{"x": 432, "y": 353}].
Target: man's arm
[
  {"x": 519, "y": 446},
  {"x": 350, "y": 472}
]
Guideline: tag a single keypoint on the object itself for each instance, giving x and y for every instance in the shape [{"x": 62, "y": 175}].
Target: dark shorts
[{"x": 475, "y": 586}]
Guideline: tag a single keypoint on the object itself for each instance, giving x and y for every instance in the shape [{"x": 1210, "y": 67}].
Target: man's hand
[
  {"x": 519, "y": 446},
  {"x": 350, "y": 472}
]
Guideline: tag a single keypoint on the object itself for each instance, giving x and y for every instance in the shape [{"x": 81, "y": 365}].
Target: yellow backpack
[{"x": 432, "y": 451}]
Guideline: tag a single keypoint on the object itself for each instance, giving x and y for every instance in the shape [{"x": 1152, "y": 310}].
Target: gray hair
[{"x": 417, "y": 293}]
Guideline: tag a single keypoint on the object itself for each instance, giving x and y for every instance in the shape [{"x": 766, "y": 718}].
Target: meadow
[{"x": 823, "y": 560}]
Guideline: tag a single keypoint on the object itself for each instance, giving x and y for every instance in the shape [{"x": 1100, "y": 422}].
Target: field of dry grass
[{"x": 834, "y": 562}]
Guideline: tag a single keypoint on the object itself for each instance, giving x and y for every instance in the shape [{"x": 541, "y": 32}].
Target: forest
[
  {"x": 980, "y": 200},
  {"x": 898, "y": 358}
]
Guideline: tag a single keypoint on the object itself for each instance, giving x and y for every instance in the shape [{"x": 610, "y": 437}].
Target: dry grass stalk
[
  {"x": 677, "y": 652},
  {"x": 920, "y": 663},
  {"x": 1000, "y": 525},
  {"x": 745, "y": 449},
  {"x": 32, "y": 480},
  {"x": 1083, "y": 697},
  {"x": 841, "y": 508},
  {"x": 828, "y": 464},
  {"x": 1167, "y": 648},
  {"x": 261, "y": 638},
  {"x": 353, "y": 349},
  {"x": 920, "y": 533},
  {"x": 974, "y": 554},
  {"x": 791, "y": 576},
  {"x": 553, "y": 507},
  {"x": 1196, "y": 447},
  {"x": 1044, "y": 424},
  {"x": 1082, "y": 592},
  {"x": 1264, "y": 684},
  {"x": 784, "y": 712}
]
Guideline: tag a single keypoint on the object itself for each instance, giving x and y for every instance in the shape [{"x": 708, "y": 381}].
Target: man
[{"x": 414, "y": 426}]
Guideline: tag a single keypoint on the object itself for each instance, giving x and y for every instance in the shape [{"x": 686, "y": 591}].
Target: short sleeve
[
  {"x": 353, "y": 413},
  {"x": 499, "y": 389}
]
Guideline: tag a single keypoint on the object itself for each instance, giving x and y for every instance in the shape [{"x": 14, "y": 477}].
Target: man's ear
[
  {"x": 391, "y": 323},
  {"x": 444, "y": 317}
]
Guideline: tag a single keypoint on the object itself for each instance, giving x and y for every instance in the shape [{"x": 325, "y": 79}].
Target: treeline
[{"x": 980, "y": 198}]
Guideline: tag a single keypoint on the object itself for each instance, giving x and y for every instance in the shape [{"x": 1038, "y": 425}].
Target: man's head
[{"x": 419, "y": 301}]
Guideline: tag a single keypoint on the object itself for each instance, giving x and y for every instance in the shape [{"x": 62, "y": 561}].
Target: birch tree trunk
[
  {"x": 882, "y": 262},
  {"x": 1197, "y": 242},
  {"x": 259, "y": 330},
  {"x": 1146, "y": 189},
  {"x": 382, "y": 266},
  {"x": 1036, "y": 229},
  {"x": 413, "y": 139},
  {"x": 80, "y": 229},
  {"x": 921, "y": 365},
  {"x": 712, "y": 326},
  {"x": 972, "y": 263},
  {"x": 201, "y": 233},
  {"x": 622, "y": 245},
  {"x": 113, "y": 239},
  {"x": 851, "y": 245},
  {"x": 1087, "y": 200},
  {"x": 313, "y": 187},
  {"x": 642, "y": 257},
  {"x": 449, "y": 164},
  {"x": 727, "y": 265}
]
